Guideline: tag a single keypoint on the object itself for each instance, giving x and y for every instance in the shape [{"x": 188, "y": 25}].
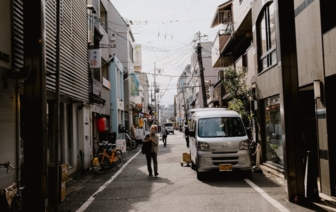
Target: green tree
[{"x": 235, "y": 84}]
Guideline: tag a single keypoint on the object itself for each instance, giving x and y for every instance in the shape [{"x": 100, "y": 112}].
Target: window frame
[{"x": 269, "y": 48}]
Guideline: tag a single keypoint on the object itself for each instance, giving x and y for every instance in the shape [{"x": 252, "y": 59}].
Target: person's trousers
[
  {"x": 149, "y": 157},
  {"x": 187, "y": 141},
  {"x": 164, "y": 139}
]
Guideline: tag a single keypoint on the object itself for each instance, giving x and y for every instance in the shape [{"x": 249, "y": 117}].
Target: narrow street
[{"x": 176, "y": 188}]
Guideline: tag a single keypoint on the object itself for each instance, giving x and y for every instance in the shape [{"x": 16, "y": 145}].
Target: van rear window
[
  {"x": 221, "y": 127},
  {"x": 168, "y": 124}
]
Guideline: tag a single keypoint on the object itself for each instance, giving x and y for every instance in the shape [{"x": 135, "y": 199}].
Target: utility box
[{"x": 62, "y": 176}]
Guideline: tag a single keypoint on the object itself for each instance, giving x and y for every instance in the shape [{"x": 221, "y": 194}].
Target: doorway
[
  {"x": 330, "y": 87},
  {"x": 308, "y": 127}
]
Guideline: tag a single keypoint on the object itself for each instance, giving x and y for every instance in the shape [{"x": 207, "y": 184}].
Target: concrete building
[
  {"x": 116, "y": 72},
  {"x": 290, "y": 70},
  {"x": 28, "y": 97},
  {"x": 314, "y": 86},
  {"x": 120, "y": 43},
  {"x": 181, "y": 97}
]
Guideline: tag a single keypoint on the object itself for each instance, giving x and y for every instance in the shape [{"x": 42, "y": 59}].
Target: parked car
[
  {"x": 218, "y": 141},
  {"x": 169, "y": 127}
]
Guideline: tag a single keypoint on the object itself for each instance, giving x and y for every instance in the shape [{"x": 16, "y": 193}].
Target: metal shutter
[
  {"x": 73, "y": 54},
  {"x": 17, "y": 32}
]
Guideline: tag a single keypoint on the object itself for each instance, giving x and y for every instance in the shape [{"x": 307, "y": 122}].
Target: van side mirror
[{"x": 192, "y": 133}]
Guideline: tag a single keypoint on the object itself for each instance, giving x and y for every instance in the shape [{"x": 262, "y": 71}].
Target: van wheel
[
  {"x": 193, "y": 166},
  {"x": 200, "y": 175}
]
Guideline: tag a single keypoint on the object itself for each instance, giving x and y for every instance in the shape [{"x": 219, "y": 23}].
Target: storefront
[{"x": 273, "y": 132}]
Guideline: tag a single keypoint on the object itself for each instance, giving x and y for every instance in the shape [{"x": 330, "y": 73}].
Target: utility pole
[
  {"x": 200, "y": 63},
  {"x": 35, "y": 175},
  {"x": 155, "y": 90}
]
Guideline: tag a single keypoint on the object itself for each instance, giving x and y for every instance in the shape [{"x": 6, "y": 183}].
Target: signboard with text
[{"x": 95, "y": 58}]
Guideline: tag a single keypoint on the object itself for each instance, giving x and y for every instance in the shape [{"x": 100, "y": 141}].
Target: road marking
[
  {"x": 266, "y": 196},
  {"x": 92, "y": 198}
]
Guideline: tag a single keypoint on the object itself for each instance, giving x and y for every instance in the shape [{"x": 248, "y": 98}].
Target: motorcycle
[{"x": 130, "y": 143}]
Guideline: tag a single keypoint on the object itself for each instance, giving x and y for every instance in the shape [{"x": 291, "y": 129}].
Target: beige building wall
[
  {"x": 309, "y": 44},
  {"x": 329, "y": 43},
  {"x": 267, "y": 82},
  {"x": 240, "y": 10},
  {"x": 250, "y": 64}
]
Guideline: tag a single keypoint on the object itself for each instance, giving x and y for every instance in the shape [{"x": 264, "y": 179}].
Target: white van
[
  {"x": 218, "y": 141},
  {"x": 169, "y": 127}
]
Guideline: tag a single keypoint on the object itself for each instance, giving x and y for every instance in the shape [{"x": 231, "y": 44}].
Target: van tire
[
  {"x": 200, "y": 175},
  {"x": 193, "y": 166}
]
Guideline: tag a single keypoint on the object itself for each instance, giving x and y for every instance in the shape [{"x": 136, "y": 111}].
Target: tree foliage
[{"x": 235, "y": 84}]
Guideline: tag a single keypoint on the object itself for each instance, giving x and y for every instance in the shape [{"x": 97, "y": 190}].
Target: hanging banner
[
  {"x": 97, "y": 86},
  {"x": 95, "y": 58},
  {"x": 134, "y": 84}
]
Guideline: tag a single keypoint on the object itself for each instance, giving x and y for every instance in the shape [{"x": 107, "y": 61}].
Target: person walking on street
[
  {"x": 164, "y": 134},
  {"x": 152, "y": 154},
  {"x": 186, "y": 134}
]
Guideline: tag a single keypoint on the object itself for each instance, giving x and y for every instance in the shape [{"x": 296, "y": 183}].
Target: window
[
  {"x": 266, "y": 38},
  {"x": 221, "y": 127},
  {"x": 103, "y": 17},
  {"x": 105, "y": 71},
  {"x": 244, "y": 61},
  {"x": 220, "y": 74},
  {"x": 273, "y": 131}
]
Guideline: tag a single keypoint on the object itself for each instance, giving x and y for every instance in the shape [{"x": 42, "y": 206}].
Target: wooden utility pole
[
  {"x": 200, "y": 64},
  {"x": 35, "y": 108}
]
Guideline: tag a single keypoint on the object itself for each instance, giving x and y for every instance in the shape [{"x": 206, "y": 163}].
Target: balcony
[{"x": 217, "y": 48}]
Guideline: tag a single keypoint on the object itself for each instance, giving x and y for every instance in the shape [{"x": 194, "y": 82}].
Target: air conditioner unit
[{"x": 90, "y": 37}]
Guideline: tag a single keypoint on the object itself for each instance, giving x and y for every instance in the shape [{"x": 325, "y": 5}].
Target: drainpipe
[
  {"x": 57, "y": 108},
  {"x": 17, "y": 130}
]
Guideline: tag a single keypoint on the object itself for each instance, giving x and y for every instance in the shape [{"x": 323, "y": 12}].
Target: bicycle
[
  {"x": 16, "y": 204},
  {"x": 107, "y": 156},
  {"x": 131, "y": 143}
]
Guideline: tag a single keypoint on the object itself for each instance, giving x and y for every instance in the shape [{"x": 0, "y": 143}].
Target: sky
[{"x": 166, "y": 30}]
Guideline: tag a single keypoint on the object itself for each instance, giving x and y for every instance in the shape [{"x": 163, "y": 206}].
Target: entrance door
[
  {"x": 308, "y": 131},
  {"x": 331, "y": 117}
]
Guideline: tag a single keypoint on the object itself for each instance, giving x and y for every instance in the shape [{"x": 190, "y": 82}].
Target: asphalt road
[{"x": 175, "y": 189}]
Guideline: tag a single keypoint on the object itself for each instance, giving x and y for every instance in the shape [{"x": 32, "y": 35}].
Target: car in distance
[{"x": 169, "y": 127}]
